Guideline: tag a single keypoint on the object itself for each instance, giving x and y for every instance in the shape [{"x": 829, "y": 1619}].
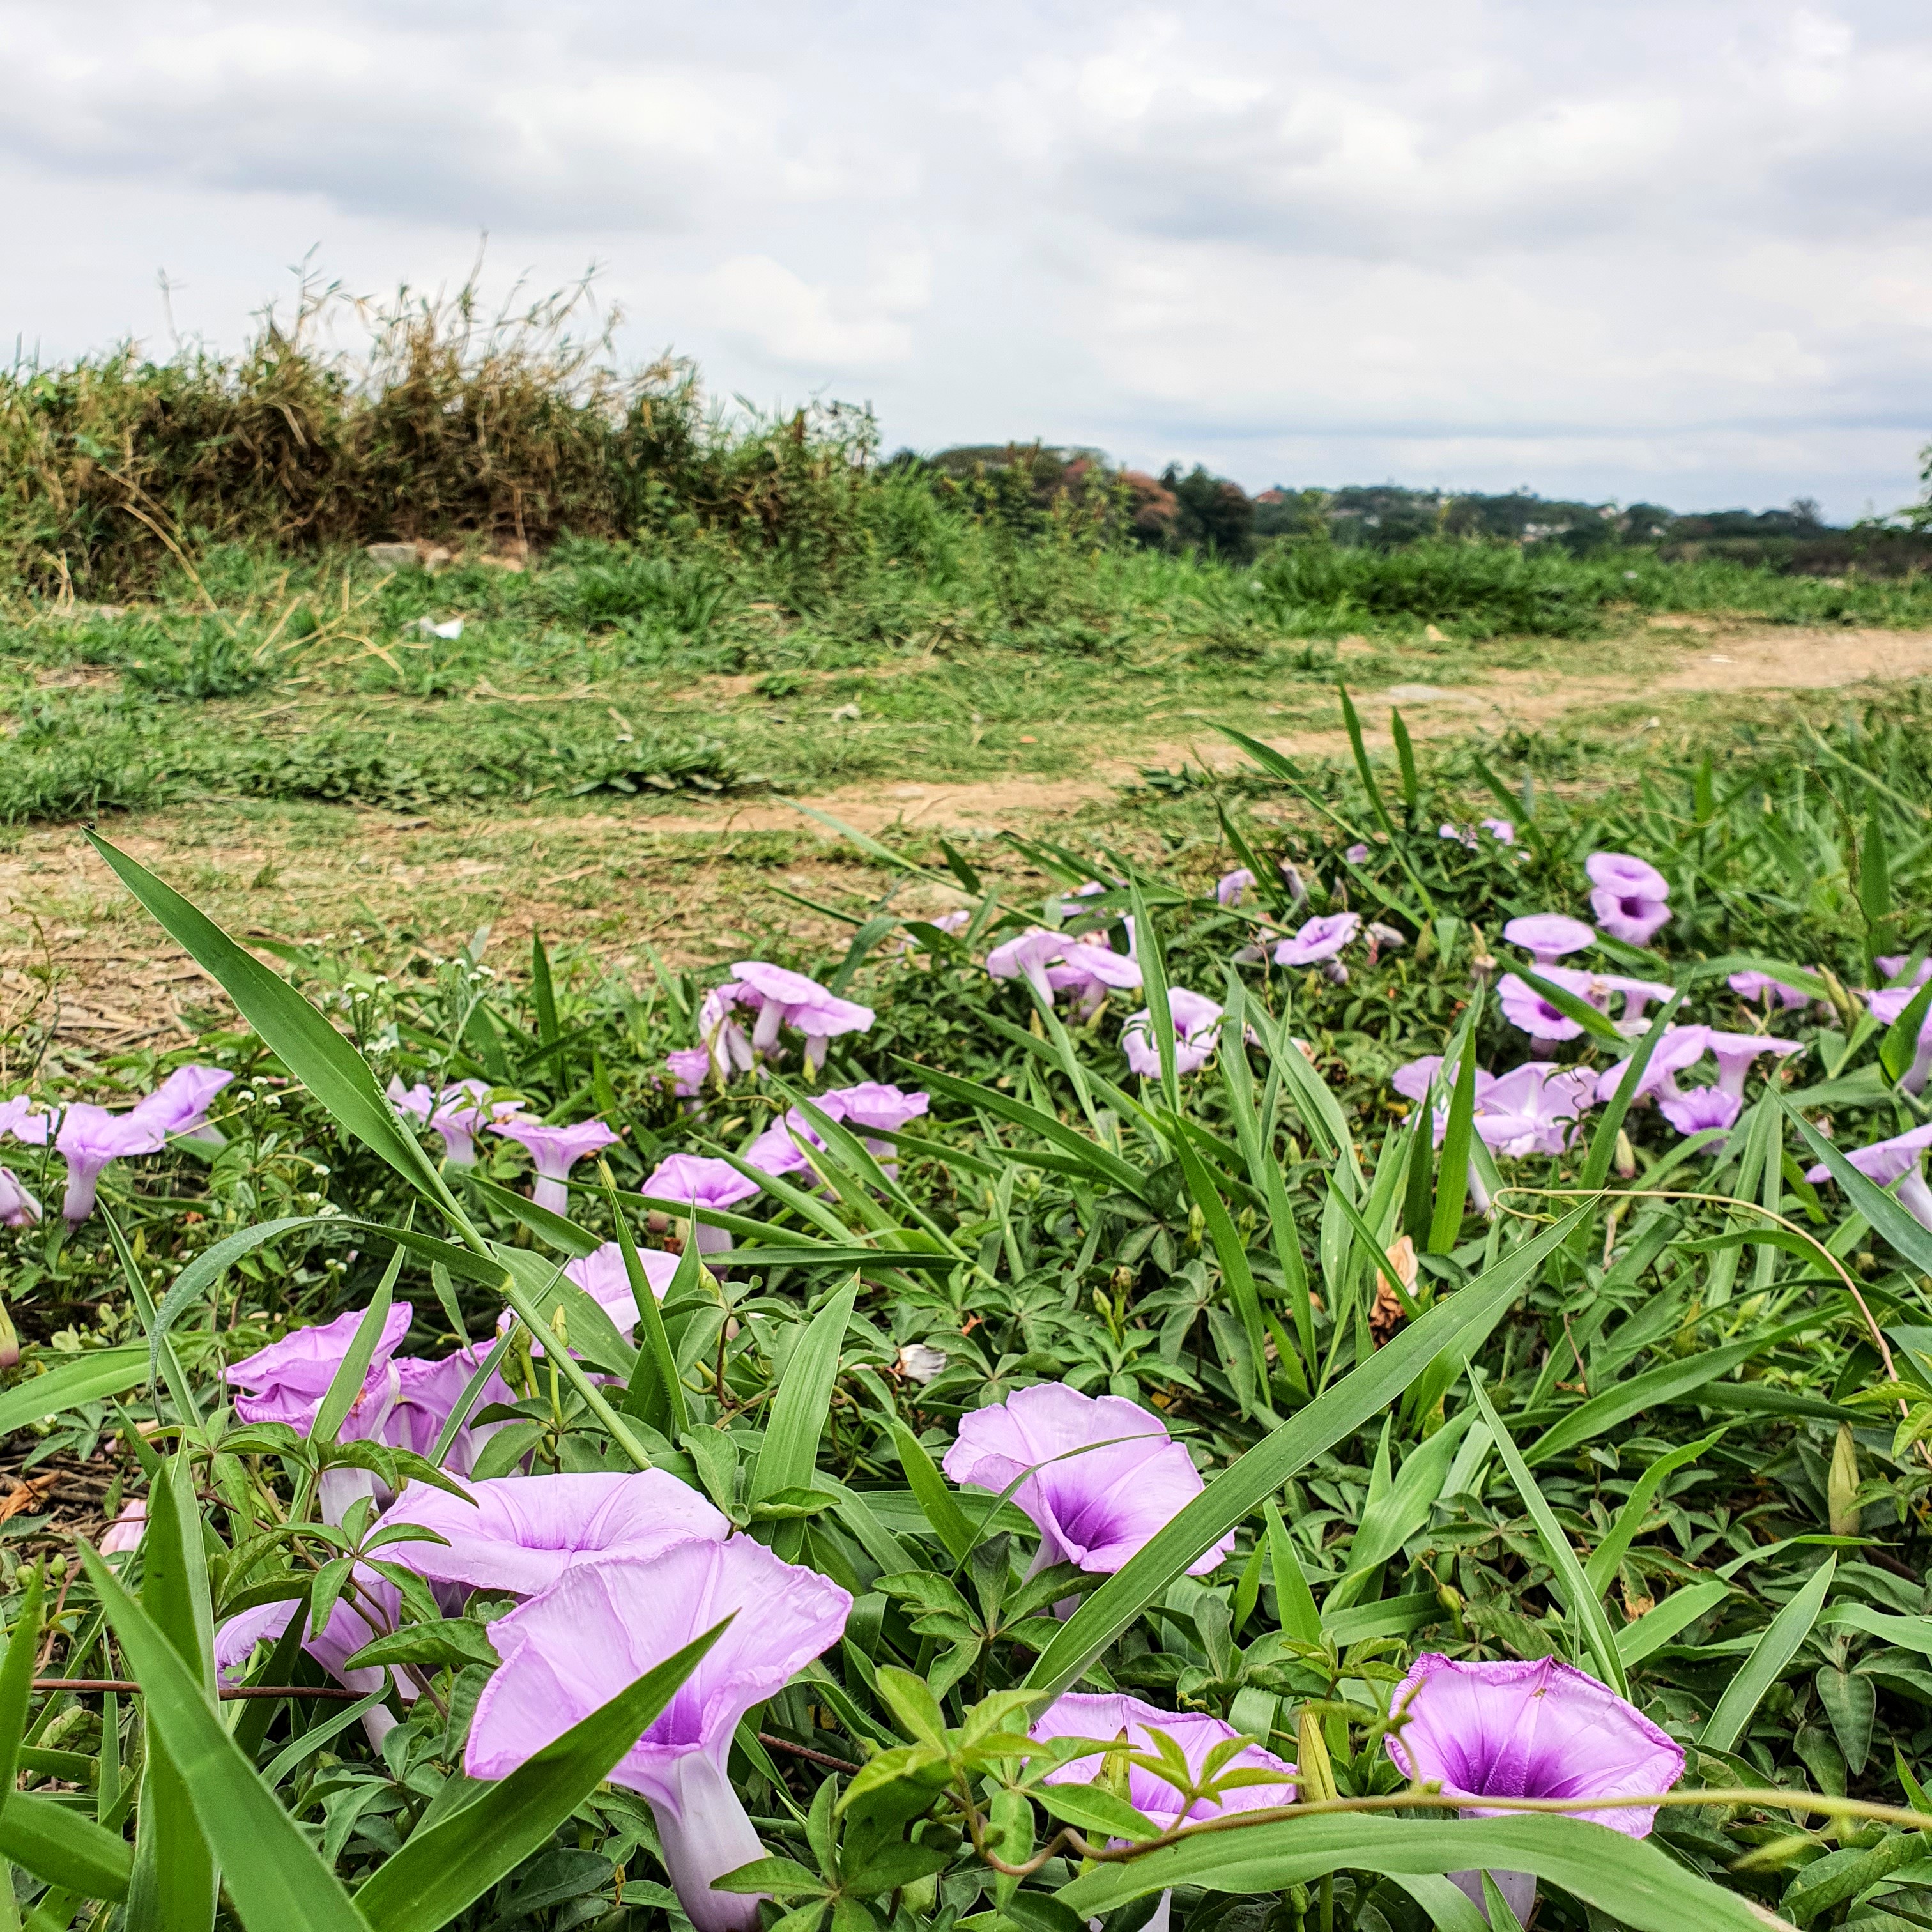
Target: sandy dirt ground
[{"x": 84, "y": 971}]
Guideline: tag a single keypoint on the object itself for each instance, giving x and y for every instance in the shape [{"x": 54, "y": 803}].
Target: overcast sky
[{"x": 1676, "y": 251}]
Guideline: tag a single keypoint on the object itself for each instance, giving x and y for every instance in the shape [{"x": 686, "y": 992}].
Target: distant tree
[{"x": 1215, "y": 515}]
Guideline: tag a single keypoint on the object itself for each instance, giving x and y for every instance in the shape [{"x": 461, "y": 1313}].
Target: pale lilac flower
[
  {"x": 427, "y": 1391},
  {"x": 957, "y": 920},
  {"x": 602, "y": 1275},
  {"x": 1093, "y": 1506},
  {"x": 873, "y": 1105},
  {"x": 1197, "y": 1029},
  {"x": 456, "y": 1113},
  {"x": 600, "y": 1627},
  {"x": 1896, "y": 1159},
  {"x": 1088, "y": 966},
  {"x": 125, "y": 1532},
  {"x": 1697, "y": 1108},
  {"x": 1888, "y": 1008},
  {"x": 702, "y": 1182},
  {"x": 1077, "y": 1714},
  {"x": 1232, "y": 885},
  {"x": 689, "y": 1067},
  {"x": 1734, "y": 1051},
  {"x": 286, "y": 1381},
  {"x": 1025, "y": 956},
  {"x": 1892, "y": 964},
  {"x": 90, "y": 1137},
  {"x": 1384, "y": 939},
  {"x": 1762, "y": 986},
  {"x": 1630, "y": 898},
  {"x": 519, "y": 1534},
  {"x": 347, "y": 1630},
  {"x": 1527, "y": 1730},
  {"x": 1638, "y": 995},
  {"x": 1534, "y": 1108},
  {"x": 1320, "y": 939},
  {"x": 179, "y": 1105},
  {"x": 1549, "y": 935},
  {"x": 1460, "y": 834},
  {"x": 19, "y": 1206},
  {"x": 1681, "y": 1047},
  {"x": 726, "y": 1042},
  {"x": 1415, "y": 1080},
  {"x": 784, "y": 998},
  {"x": 555, "y": 1151},
  {"x": 20, "y": 1120},
  {"x": 1356, "y": 854},
  {"x": 1502, "y": 830},
  {"x": 1523, "y": 1006}
]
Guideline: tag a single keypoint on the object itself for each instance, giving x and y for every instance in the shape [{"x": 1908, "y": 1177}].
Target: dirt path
[
  {"x": 1724, "y": 661},
  {"x": 79, "y": 962}
]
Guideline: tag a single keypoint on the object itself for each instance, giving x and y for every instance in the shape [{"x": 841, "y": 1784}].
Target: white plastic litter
[{"x": 427, "y": 627}]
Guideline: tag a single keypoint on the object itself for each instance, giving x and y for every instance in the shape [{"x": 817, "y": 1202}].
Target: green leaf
[
  {"x": 1232, "y": 1255},
  {"x": 1782, "y": 1636},
  {"x": 62, "y": 1847},
  {"x": 937, "y": 1502},
  {"x": 1899, "y": 1046},
  {"x": 208, "y": 1267},
  {"x": 543, "y": 995},
  {"x": 655, "y": 1394},
  {"x": 1096, "y": 1810},
  {"x": 1452, "y": 1168},
  {"x": 174, "y": 1887},
  {"x": 352, "y": 1371},
  {"x": 1585, "y": 1607},
  {"x": 1109, "y": 1167},
  {"x": 305, "y": 1043},
  {"x": 1660, "y": 1624},
  {"x": 1603, "y": 1135},
  {"x": 17, "y": 1680},
  {"x": 445, "y": 1868},
  {"x": 1294, "y": 1602},
  {"x": 1354, "y": 725},
  {"x": 1595, "y": 1023},
  {"x": 1230, "y": 1497},
  {"x": 799, "y": 1410},
  {"x": 274, "y": 1877},
  {"x": 95, "y": 1376},
  {"x": 1640, "y": 1884},
  {"x": 1887, "y": 1217},
  {"x": 450, "y": 1644},
  {"x": 1601, "y": 1569}
]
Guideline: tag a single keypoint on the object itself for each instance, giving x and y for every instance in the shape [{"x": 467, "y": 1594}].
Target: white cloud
[{"x": 1623, "y": 248}]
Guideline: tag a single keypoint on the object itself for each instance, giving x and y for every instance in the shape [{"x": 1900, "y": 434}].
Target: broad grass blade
[
  {"x": 1363, "y": 767},
  {"x": 1452, "y": 1169},
  {"x": 160, "y": 1348},
  {"x": 16, "y": 1682},
  {"x": 1586, "y": 1607},
  {"x": 277, "y": 1881},
  {"x": 1116, "y": 1172},
  {"x": 1294, "y": 1602},
  {"x": 1160, "y": 1013},
  {"x": 445, "y": 1869},
  {"x": 948, "y": 1520},
  {"x": 96, "y": 1377},
  {"x": 1600, "y": 1571},
  {"x": 517, "y": 1294},
  {"x": 1586, "y": 1016},
  {"x": 306, "y": 1044},
  {"x": 208, "y": 1267},
  {"x": 346, "y": 1385},
  {"x": 656, "y": 1393},
  {"x": 1603, "y": 1136},
  {"x": 1238, "y": 1490},
  {"x": 1887, "y": 1217},
  {"x": 175, "y": 1884},
  {"x": 1230, "y": 1252},
  {"x": 799, "y": 1410},
  {"x": 1660, "y": 1624},
  {"x": 1641, "y": 1886},
  {"x": 1779, "y": 1645},
  {"x": 65, "y": 1848}
]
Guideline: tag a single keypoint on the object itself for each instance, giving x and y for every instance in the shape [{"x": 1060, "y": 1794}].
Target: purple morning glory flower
[
  {"x": 1888, "y": 1008},
  {"x": 1093, "y": 1506},
  {"x": 1897, "y": 1159},
  {"x": 286, "y": 1381},
  {"x": 724, "y": 1039},
  {"x": 1681, "y": 1046},
  {"x": 1734, "y": 1051},
  {"x": 90, "y": 1137},
  {"x": 1088, "y": 966},
  {"x": 1502, "y": 830},
  {"x": 1523, "y": 1006},
  {"x": 428, "y": 1391},
  {"x": 346, "y": 1631},
  {"x": 1630, "y": 898},
  {"x": 1696, "y": 1108},
  {"x": 783, "y": 998},
  {"x": 1533, "y": 1108},
  {"x": 179, "y": 1105},
  {"x": 1197, "y": 1029},
  {"x": 1231, "y": 886},
  {"x": 1320, "y": 939},
  {"x": 1638, "y": 995},
  {"x": 1356, "y": 854},
  {"x": 1549, "y": 935},
  {"x": 601, "y": 1626},
  {"x": 520, "y": 1533},
  {"x": 602, "y": 1275},
  {"x": 689, "y": 1067},
  {"x": 456, "y": 1113},
  {"x": 19, "y": 1206},
  {"x": 1893, "y": 965},
  {"x": 555, "y": 1151},
  {"x": 1080, "y": 1715},
  {"x": 1025, "y": 956},
  {"x": 873, "y": 1105},
  {"x": 1527, "y": 1730},
  {"x": 1762, "y": 986},
  {"x": 20, "y": 1120},
  {"x": 704, "y": 1182}
]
